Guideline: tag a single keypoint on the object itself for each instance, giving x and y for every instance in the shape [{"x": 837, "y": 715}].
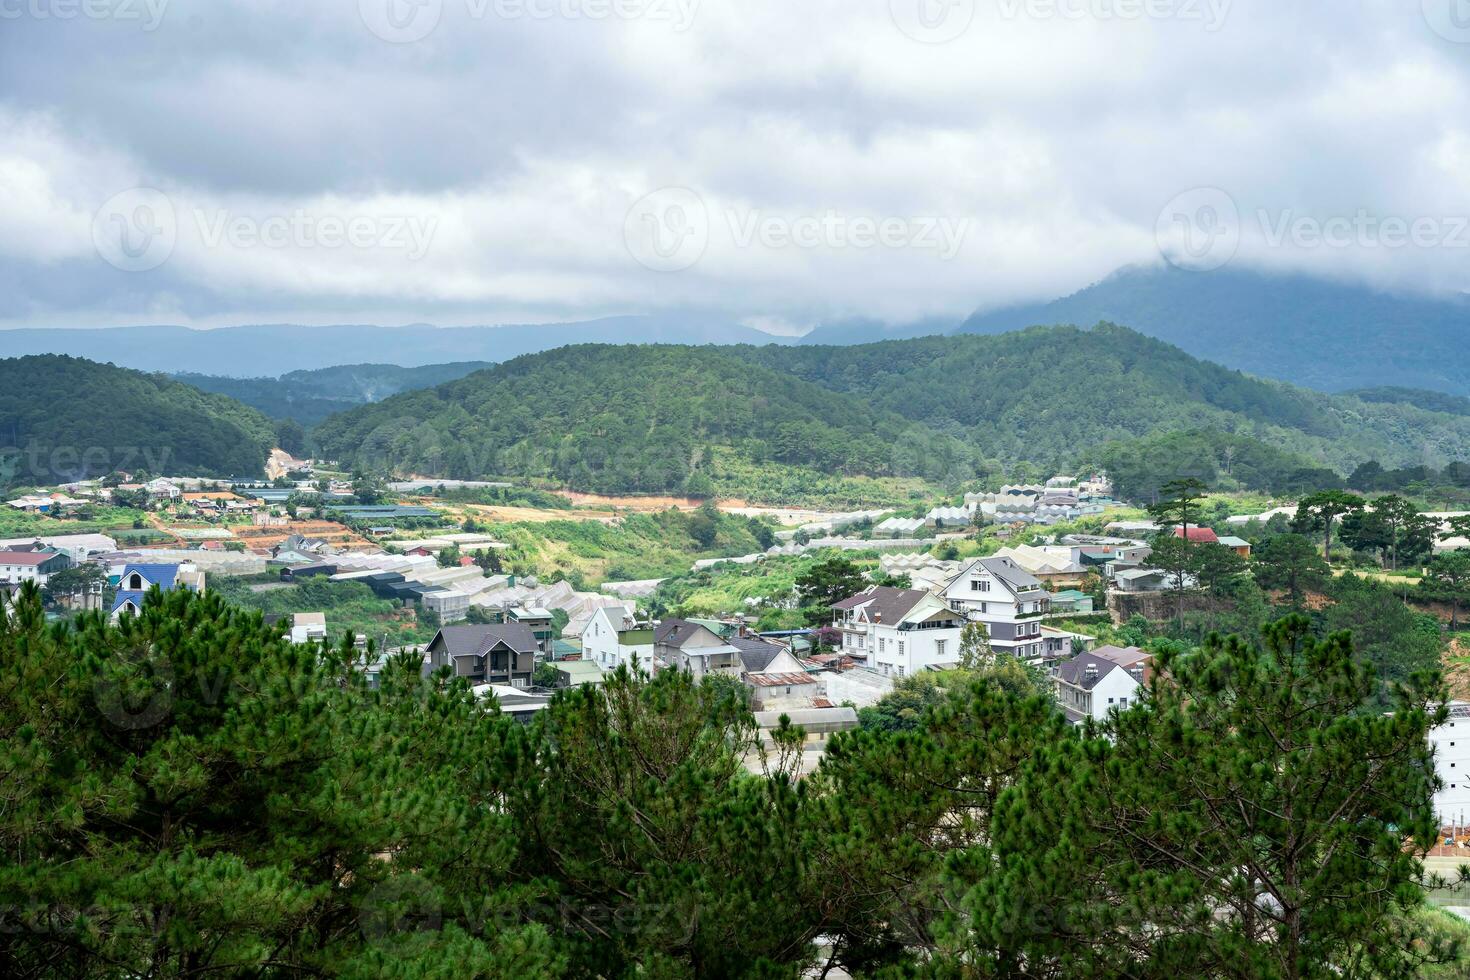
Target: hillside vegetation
[
  {"x": 64, "y": 418},
  {"x": 635, "y": 419},
  {"x": 946, "y": 409},
  {"x": 1048, "y": 394}
]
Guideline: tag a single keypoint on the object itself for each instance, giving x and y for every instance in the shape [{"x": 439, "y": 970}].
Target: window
[
  {"x": 979, "y": 585},
  {"x": 882, "y": 643},
  {"x": 900, "y": 648},
  {"x": 900, "y": 670},
  {"x": 939, "y": 646}
]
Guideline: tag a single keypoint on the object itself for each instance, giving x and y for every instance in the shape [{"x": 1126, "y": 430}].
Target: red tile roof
[{"x": 1198, "y": 535}]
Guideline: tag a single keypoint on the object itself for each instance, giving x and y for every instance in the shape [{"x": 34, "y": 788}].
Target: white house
[
  {"x": 19, "y": 567},
  {"x": 899, "y": 632},
  {"x": 1009, "y": 600},
  {"x": 309, "y": 628},
  {"x": 695, "y": 648},
  {"x": 1090, "y": 686},
  {"x": 610, "y": 640},
  {"x": 1451, "y": 744}
]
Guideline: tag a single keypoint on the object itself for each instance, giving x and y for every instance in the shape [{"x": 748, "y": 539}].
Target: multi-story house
[
  {"x": 19, "y": 567},
  {"x": 135, "y": 580},
  {"x": 611, "y": 640},
  {"x": 1009, "y": 600},
  {"x": 498, "y": 653},
  {"x": 1451, "y": 744},
  {"x": 899, "y": 632},
  {"x": 695, "y": 648},
  {"x": 1090, "y": 686}
]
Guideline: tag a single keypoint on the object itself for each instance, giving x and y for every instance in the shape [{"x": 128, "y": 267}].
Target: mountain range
[
  {"x": 272, "y": 350},
  {"x": 654, "y": 417},
  {"x": 1319, "y": 333}
]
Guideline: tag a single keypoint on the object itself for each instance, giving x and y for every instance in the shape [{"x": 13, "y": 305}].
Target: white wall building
[
  {"x": 1010, "y": 601},
  {"x": 1451, "y": 744},
  {"x": 1089, "y": 686},
  {"x": 609, "y": 640},
  {"x": 899, "y": 632}
]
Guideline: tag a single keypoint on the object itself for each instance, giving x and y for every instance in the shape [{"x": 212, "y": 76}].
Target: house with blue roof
[{"x": 136, "y": 579}]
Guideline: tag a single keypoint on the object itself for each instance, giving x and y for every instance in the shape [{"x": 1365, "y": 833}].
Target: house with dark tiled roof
[
  {"x": 496, "y": 653},
  {"x": 695, "y": 648},
  {"x": 775, "y": 677},
  {"x": 1090, "y": 685},
  {"x": 899, "y": 632},
  {"x": 1009, "y": 600}
]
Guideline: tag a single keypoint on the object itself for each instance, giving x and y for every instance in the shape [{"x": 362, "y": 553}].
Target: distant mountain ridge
[
  {"x": 1312, "y": 332},
  {"x": 311, "y": 396},
  {"x": 267, "y": 351}
]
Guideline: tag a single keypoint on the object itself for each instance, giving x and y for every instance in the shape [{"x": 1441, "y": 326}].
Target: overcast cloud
[{"x": 781, "y": 161}]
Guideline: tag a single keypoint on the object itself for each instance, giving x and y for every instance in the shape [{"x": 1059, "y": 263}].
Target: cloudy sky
[{"x": 783, "y": 162}]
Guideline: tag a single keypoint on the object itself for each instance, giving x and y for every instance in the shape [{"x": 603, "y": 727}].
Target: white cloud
[{"x": 510, "y": 148}]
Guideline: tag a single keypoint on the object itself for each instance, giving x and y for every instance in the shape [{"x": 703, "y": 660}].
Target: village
[{"x": 926, "y": 607}]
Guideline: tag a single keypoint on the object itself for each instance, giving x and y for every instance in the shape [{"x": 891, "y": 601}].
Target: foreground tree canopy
[{"x": 188, "y": 794}]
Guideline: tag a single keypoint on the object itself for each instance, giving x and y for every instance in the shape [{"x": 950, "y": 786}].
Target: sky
[{"x": 778, "y": 162}]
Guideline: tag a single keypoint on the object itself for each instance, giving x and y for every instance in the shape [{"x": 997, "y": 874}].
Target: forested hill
[
  {"x": 651, "y": 418},
  {"x": 310, "y": 396},
  {"x": 1327, "y": 335},
  {"x": 634, "y": 419},
  {"x": 1048, "y": 394},
  {"x": 64, "y": 418}
]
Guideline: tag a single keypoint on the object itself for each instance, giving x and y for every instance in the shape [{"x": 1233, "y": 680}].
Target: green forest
[
  {"x": 945, "y": 409},
  {"x": 66, "y": 418},
  {"x": 188, "y": 794},
  {"x": 635, "y": 419}
]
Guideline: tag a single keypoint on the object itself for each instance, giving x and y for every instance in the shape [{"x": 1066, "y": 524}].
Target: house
[
  {"x": 774, "y": 675},
  {"x": 1451, "y": 744},
  {"x": 899, "y": 632},
  {"x": 1195, "y": 534},
  {"x": 538, "y": 621},
  {"x": 576, "y": 673},
  {"x": 1071, "y": 602},
  {"x": 1143, "y": 580},
  {"x": 1238, "y": 545},
  {"x": 161, "y": 489},
  {"x": 1128, "y": 657},
  {"x": 77, "y": 547},
  {"x": 135, "y": 580},
  {"x": 695, "y": 648},
  {"x": 1062, "y": 644},
  {"x": 19, "y": 567},
  {"x": 611, "y": 639},
  {"x": 309, "y": 628},
  {"x": 1009, "y": 600},
  {"x": 496, "y": 654},
  {"x": 1090, "y": 686}
]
